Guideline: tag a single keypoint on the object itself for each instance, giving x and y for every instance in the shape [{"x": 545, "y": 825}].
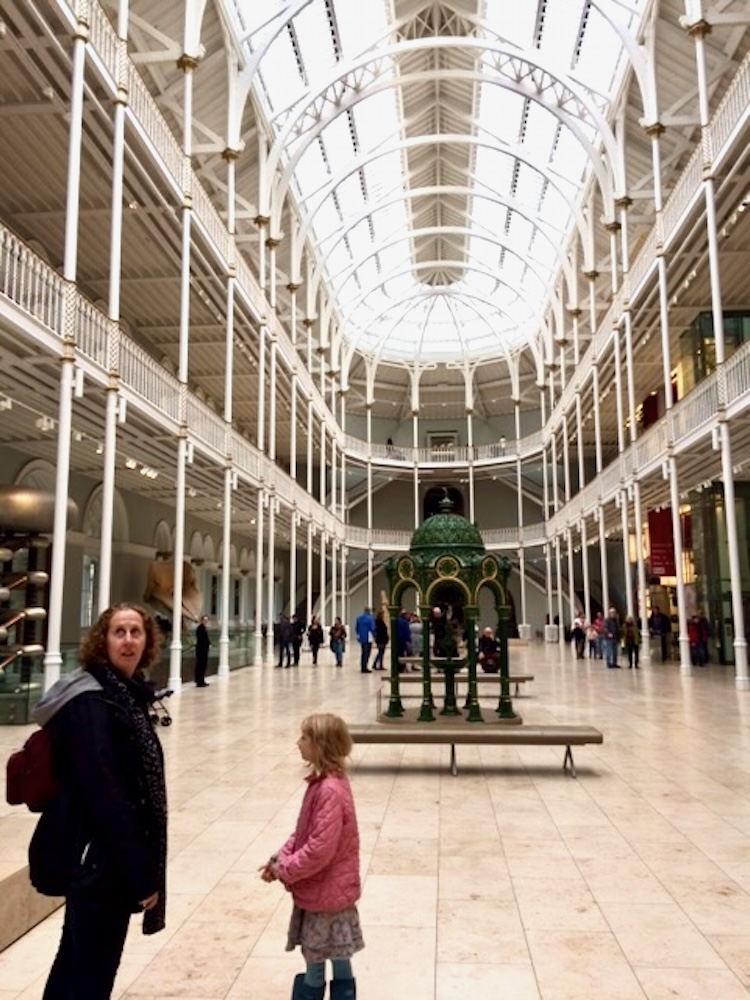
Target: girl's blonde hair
[{"x": 331, "y": 740}]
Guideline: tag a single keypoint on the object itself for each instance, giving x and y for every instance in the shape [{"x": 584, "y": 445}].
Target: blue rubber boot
[
  {"x": 343, "y": 989},
  {"x": 302, "y": 991}
]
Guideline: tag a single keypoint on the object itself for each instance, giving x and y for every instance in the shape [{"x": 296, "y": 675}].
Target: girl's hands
[{"x": 268, "y": 870}]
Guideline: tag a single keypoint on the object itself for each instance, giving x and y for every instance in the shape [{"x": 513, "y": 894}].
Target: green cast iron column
[
  {"x": 475, "y": 713},
  {"x": 505, "y": 705},
  {"x": 395, "y": 707}
]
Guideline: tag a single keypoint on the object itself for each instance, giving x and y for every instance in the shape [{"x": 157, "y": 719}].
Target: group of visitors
[{"x": 606, "y": 636}]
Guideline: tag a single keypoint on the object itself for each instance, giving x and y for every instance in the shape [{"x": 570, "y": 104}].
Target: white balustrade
[
  {"x": 148, "y": 380},
  {"x": 737, "y": 375},
  {"x": 92, "y": 332},
  {"x": 206, "y": 425},
  {"x": 734, "y": 107}
]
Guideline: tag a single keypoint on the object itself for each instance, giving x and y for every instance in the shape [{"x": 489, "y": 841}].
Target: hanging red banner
[{"x": 661, "y": 542}]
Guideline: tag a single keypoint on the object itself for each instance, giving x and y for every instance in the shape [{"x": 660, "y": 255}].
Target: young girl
[{"x": 319, "y": 864}]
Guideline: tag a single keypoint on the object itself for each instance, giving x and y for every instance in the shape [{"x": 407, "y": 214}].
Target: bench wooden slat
[
  {"x": 474, "y": 732},
  {"x": 480, "y": 734}
]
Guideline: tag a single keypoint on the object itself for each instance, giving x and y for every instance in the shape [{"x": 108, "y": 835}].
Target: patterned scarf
[{"x": 133, "y": 697}]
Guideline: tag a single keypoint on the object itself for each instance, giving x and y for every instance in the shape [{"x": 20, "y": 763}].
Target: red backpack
[{"x": 30, "y": 773}]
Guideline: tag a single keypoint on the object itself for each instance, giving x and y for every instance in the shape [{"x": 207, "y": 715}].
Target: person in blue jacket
[{"x": 364, "y": 628}]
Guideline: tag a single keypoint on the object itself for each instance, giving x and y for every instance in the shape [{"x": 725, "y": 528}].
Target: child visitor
[{"x": 319, "y": 864}]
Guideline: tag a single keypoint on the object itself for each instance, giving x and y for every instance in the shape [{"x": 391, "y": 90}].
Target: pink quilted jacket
[{"x": 319, "y": 863}]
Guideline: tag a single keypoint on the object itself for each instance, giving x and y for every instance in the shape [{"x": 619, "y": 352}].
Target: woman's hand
[{"x": 150, "y": 902}]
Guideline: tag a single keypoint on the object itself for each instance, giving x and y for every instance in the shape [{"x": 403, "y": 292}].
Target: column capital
[
  {"x": 653, "y": 128},
  {"x": 272, "y": 242},
  {"x": 696, "y": 29},
  {"x": 592, "y": 275},
  {"x": 261, "y": 220},
  {"x": 187, "y": 63},
  {"x": 623, "y": 202},
  {"x": 229, "y": 154},
  {"x": 613, "y": 226}
]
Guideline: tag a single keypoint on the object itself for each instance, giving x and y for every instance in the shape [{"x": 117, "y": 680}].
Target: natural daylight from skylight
[{"x": 440, "y": 201}]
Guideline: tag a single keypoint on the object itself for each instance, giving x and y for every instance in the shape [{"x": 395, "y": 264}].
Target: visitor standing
[
  {"x": 612, "y": 637},
  {"x": 319, "y": 865},
  {"x": 102, "y": 840},
  {"x": 337, "y": 640},
  {"x": 381, "y": 639},
  {"x": 315, "y": 637},
  {"x": 202, "y": 646},
  {"x": 365, "y": 631}
]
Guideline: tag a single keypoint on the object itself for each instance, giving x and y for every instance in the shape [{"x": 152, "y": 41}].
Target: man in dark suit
[
  {"x": 202, "y": 644},
  {"x": 284, "y": 634}
]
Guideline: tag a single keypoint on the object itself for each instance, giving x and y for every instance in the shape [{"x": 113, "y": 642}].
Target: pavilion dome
[{"x": 443, "y": 534}]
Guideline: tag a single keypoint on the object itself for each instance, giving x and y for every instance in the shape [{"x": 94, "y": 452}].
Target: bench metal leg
[
  {"x": 568, "y": 760},
  {"x": 454, "y": 766}
]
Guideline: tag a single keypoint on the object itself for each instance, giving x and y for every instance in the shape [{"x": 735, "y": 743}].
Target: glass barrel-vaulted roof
[{"x": 438, "y": 150}]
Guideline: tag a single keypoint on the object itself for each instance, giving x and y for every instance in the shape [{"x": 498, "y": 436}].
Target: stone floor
[{"x": 511, "y": 880}]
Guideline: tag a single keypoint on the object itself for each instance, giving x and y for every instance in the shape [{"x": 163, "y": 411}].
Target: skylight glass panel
[
  {"x": 280, "y": 73},
  {"x": 484, "y": 283},
  {"x": 600, "y": 54},
  {"x": 485, "y": 251},
  {"x": 545, "y": 254},
  {"x": 337, "y": 140},
  {"x": 338, "y": 261},
  {"x": 359, "y": 240},
  {"x": 519, "y": 232},
  {"x": 559, "y": 30},
  {"x": 377, "y": 117},
  {"x": 360, "y": 24},
  {"x": 500, "y": 111},
  {"x": 494, "y": 168},
  {"x": 492, "y": 213},
  {"x": 517, "y": 29},
  {"x": 315, "y": 43},
  {"x": 312, "y": 171},
  {"x": 327, "y": 221},
  {"x": 539, "y": 131},
  {"x": 349, "y": 195},
  {"x": 528, "y": 185},
  {"x": 569, "y": 157},
  {"x": 392, "y": 257}
]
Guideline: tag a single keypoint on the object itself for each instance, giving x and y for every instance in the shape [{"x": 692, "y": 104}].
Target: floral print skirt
[{"x": 323, "y": 936}]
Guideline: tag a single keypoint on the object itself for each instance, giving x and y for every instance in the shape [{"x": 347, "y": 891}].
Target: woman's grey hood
[{"x": 63, "y": 691}]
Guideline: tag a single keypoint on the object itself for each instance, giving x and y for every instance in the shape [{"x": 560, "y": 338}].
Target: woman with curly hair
[{"x": 102, "y": 840}]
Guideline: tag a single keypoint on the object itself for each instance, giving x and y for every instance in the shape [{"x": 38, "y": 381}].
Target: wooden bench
[{"x": 480, "y": 734}]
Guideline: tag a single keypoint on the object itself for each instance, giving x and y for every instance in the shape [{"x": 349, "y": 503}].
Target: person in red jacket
[{"x": 319, "y": 864}]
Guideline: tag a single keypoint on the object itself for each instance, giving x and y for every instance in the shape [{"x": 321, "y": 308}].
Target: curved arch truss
[{"x": 404, "y": 143}]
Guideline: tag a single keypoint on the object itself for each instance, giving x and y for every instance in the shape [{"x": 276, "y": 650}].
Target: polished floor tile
[{"x": 631, "y": 882}]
